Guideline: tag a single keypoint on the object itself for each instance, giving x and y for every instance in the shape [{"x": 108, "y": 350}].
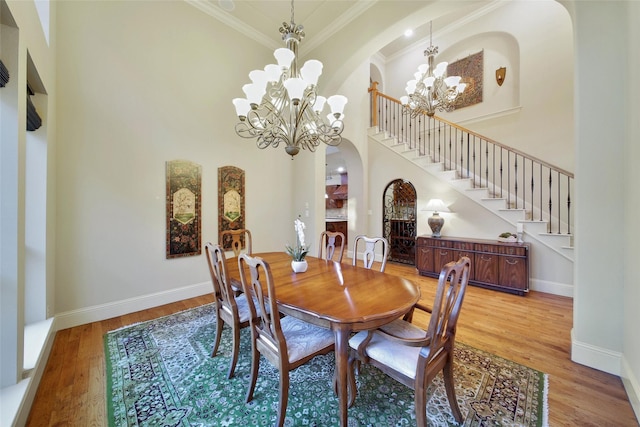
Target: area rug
[{"x": 161, "y": 373}]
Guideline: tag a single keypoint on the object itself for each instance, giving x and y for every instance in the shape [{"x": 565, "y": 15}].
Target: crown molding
[
  {"x": 336, "y": 25},
  {"x": 208, "y": 7}
]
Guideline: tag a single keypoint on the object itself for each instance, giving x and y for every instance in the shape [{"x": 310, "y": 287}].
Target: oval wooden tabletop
[{"x": 330, "y": 292}]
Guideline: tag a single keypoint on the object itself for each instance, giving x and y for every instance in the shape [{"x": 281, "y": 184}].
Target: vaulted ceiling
[{"x": 321, "y": 19}]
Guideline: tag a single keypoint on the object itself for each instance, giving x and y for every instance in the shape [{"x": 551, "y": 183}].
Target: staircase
[{"x": 514, "y": 186}]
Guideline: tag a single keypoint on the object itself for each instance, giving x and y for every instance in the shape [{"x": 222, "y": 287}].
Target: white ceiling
[{"x": 261, "y": 19}]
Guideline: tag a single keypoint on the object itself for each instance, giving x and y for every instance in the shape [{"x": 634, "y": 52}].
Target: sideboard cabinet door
[
  {"x": 486, "y": 270},
  {"x": 424, "y": 258},
  {"x": 513, "y": 272}
]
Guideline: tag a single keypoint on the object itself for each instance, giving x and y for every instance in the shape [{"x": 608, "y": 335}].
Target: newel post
[{"x": 373, "y": 90}]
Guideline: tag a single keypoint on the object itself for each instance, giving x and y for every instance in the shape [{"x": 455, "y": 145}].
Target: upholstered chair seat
[{"x": 304, "y": 338}]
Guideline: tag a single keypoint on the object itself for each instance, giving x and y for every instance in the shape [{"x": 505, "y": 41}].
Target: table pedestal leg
[{"x": 342, "y": 366}]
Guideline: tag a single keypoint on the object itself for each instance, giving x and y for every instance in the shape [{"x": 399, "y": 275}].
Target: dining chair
[
  {"x": 369, "y": 253},
  {"x": 230, "y": 309},
  {"x": 286, "y": 342},
  {"x": 412, "y": 355},
  {"x": 328, "y": 248},
  {"x": 236, "y": 239}
]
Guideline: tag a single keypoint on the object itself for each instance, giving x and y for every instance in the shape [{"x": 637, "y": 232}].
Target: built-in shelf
[{"x": 35, "y": 338}]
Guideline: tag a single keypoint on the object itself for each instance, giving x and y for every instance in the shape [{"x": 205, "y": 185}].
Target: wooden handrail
[
  {"x": 506, "y": 147},
  {"x": 375, "y": 93},
  {"x": 524, "y": 180}
]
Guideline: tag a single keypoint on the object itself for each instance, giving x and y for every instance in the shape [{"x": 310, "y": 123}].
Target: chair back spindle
[
  {"x": 237, "y": 240},
  {"x": 331, "y": 246},
  {"x": 369, "y": 252}
]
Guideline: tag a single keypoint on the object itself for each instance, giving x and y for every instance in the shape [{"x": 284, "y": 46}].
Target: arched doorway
[{"x": 399, "y": 220}]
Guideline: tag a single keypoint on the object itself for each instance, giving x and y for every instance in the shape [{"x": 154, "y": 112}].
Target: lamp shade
[
  {"x": 254, "y": 93},
  {"x": 295, "y": 87},
  {"x": 272, "y": 72},
  {"x": 311, "y": 71},
  {"x": 337, "y": 103},
  {"x": 436, "y": 205},
  {"x": 242, "y": 106},
  {"x": 284, "y": 57}
]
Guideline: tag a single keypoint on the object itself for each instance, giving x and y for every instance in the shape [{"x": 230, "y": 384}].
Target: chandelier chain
[{"x": 292, "y": 20}]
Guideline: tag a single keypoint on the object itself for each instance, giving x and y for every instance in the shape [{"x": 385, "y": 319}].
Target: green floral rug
[{"x": 160, "y": 373}]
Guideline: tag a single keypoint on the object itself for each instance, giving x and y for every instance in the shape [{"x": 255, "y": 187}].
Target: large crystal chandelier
[
  {"x": 282, "y": 104},
  {"x": 431, "y": 89}
]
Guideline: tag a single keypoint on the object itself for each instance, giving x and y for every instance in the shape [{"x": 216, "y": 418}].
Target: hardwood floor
[{"x": 533, "y": 330}]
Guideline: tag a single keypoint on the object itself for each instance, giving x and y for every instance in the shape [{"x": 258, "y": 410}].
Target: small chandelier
[
  {"x": 431, "y": 89},
  {"x": 282, "y": 104}
]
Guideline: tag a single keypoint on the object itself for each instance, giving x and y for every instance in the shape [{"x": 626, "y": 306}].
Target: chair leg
[
  {"x": 255, "y": 366},
  {"x": 409, "y": 316},
  {"x": 216, "y": 343},
  {"x": 236, "y": 351},
  {"x": 284, "y": 397},
  {"x": 420, "y": 403},
  {"x": 447, "y": 373}
]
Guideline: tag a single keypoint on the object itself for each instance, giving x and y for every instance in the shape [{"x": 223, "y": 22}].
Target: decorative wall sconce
[{"x": 501, "y": 73}]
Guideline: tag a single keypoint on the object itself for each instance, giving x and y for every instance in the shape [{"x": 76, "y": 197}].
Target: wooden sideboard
[{"x": 495, "y": 265}]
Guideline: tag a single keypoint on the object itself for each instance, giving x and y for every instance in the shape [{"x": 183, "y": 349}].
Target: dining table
[{"x": 337, "y": 296}]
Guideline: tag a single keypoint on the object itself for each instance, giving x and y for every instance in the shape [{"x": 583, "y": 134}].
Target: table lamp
[{"x": 436, "y": 221}]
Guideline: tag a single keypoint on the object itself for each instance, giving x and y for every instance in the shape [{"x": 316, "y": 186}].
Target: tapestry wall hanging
[
  {"x": 471, "y": 71},
  {"x": 230, "y": 202},
  {"x": 183, "y": 208}
]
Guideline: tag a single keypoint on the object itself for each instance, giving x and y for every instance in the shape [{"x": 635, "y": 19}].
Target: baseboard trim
[
  {"x": 632, "y": 387},
  {"x": 595, "y": 357},
  {"x": 100, "y": 312},
  {"x": 561, "y": 289}
]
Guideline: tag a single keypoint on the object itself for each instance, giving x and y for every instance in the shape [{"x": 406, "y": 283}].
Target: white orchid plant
[{"x": 300, "y": 250}]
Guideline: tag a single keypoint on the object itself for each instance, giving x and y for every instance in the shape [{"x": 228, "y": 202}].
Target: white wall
[
  {"x": 631, "y": 337},
  {"x": 605, "y": 303},
  {"x": 135, "y": 93},
  {"x": 599, "y": 253}
]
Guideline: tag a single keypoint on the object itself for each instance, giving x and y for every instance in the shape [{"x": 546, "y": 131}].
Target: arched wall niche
[{"x": 500, "y": 49}]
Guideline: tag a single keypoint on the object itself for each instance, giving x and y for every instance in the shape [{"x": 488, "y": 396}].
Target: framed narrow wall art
[
  {"x": 183, "y": 208},
  {"x": 230, "y": 201}
]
